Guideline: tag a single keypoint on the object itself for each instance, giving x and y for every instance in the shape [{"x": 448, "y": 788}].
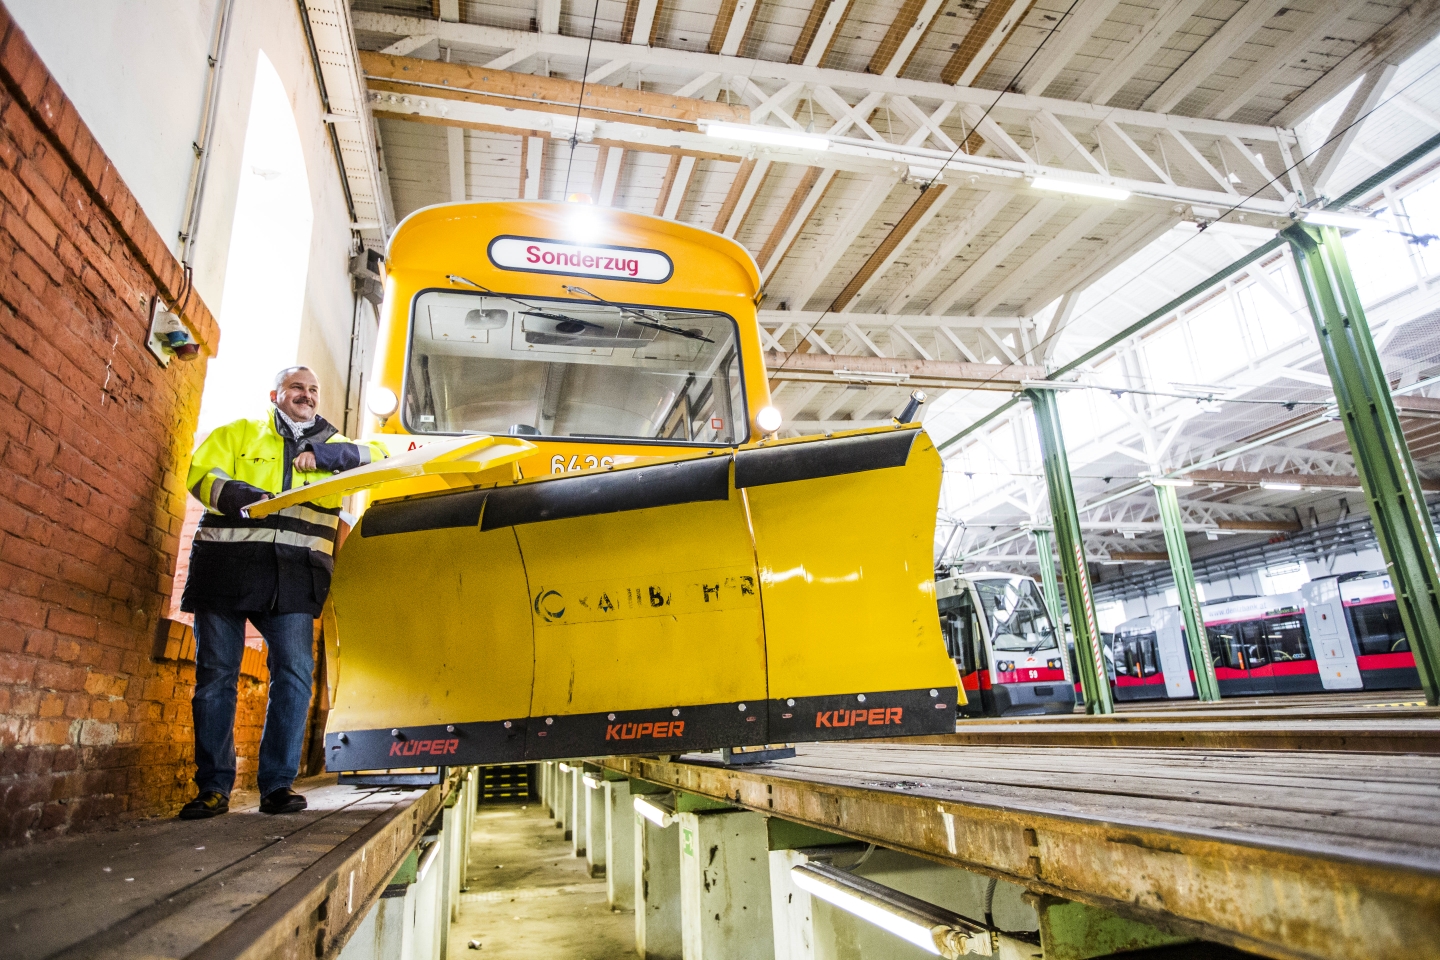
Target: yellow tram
[{"x": 589, "y": 539}]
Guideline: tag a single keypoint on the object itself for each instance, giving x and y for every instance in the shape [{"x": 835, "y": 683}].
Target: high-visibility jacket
[{"x": 280, "y": 563}]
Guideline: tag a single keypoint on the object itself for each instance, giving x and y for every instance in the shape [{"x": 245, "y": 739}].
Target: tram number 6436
[{"x": 558, "y": 463}]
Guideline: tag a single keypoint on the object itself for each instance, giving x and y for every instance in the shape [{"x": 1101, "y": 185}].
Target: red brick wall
[{"x": 94, "y": 441}]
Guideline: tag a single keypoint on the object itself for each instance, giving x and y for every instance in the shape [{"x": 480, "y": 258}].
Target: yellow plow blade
[
  {"x": 459, "y": 455},
  {"x": 778, "y": 593}
]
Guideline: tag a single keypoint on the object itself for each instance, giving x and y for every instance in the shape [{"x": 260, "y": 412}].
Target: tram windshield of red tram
[{"x": 1005, "y": 645}]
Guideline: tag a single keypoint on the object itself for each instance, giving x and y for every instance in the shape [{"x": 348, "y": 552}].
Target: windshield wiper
[
  {"x": 666, "y": 328},
  {"x": 636, "y": 318}
]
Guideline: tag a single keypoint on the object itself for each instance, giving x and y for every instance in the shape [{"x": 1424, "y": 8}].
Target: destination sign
[{"x": 533, "y": 255}]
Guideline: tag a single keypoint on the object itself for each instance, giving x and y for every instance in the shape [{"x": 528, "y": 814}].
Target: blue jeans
[{"x": 219, "y": 644}]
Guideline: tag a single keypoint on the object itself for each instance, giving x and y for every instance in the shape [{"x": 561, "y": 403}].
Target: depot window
[{"x": 532, "y": 366}]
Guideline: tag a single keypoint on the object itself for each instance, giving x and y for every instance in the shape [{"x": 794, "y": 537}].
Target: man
[{"x": 274, "y": 572}]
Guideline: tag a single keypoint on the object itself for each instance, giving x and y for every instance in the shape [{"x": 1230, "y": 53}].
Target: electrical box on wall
[{"x": 168, "y": 336}]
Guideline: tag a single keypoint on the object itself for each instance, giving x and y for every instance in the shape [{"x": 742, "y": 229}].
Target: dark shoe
[
  {"x": 208, "y": 804},
  {"x": 283, "y": 800}
]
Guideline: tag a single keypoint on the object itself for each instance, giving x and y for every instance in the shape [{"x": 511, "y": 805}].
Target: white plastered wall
[{"x": 136, "y": 71}]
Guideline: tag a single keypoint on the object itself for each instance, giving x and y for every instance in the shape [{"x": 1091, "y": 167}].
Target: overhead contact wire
[
  {"x": 931, "y": 182},
  {"x": 1256, "y": 254},
  {"x": 580, "y": 102}
]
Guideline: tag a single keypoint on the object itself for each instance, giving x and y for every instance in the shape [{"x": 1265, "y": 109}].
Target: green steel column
[
  {"x": 1048, "y": 581},
  {"x": 1392, "y": 488},
  {"x": 1065, "y": 518},
  {"x": 1206, "y": 686},
  {"x": 1050, "y": 586}
]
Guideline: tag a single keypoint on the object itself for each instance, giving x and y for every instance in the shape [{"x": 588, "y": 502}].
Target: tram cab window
[
  {"x": 1377, "y": 627},
  {"x": 571, "y": 368},
  {"x": 1139, "y": 656},
  {"x": 961, "y": 632},
  {"x": 1016, "y": 613},
  {"x": 1285, "y": 639},
  {"x": 1252, "y": 643},
  {"x": 1225, "y": 646}
]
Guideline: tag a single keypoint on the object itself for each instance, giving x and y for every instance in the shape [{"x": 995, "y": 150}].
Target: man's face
[{"x": 298, "y": 397}]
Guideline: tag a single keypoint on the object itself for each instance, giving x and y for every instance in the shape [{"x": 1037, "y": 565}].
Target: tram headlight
[
  {"x": 1053, "y": 663},
  {"x": 768, "y": 419},
  {"x": 381, "y": 401},
  {"x": 1004, "y": 666}
]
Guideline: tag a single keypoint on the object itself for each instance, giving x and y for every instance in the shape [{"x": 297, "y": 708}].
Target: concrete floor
[{"x": 528, "y": 897}]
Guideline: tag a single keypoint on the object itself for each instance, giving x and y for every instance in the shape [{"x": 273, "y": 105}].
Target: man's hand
[{"x": 305, "y": 463}]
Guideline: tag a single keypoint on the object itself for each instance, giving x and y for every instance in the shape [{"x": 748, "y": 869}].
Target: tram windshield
[
  {"x": 570, "y": 368},
  {"x": 1016, "y": 612}
]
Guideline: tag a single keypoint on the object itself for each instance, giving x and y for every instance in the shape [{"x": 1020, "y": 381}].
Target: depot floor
[{"x": 527, "y": 897}]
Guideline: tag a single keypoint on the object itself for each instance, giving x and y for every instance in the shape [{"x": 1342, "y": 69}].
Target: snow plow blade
[{"x": 782, "y": 592}]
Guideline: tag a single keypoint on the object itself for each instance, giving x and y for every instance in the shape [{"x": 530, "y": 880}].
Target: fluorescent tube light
[
  {"x": 592, "y": 782},
  {"x": 774, "y": 136},
  {"x": 1172, "y": 482},
  {"x": 1098, "y": 190},
  {"x": 933, "y": 929},
  {"x": 1277, "y": 485},
  {"x": 1342, "y": 221},
  {"x": 653, "y": 812},
  {"x": 566, "y": 768},
  {"x": 861, "y": 376},
  {"x": 1054, "y": 385}
]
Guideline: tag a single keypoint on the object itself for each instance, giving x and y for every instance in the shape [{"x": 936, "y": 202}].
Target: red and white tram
[
  {"x": 1335, "y": 633},
  {"x": 1005, "y": 645}
]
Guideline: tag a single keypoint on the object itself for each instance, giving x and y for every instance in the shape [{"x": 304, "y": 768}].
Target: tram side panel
[
  {"x": 1336, "y": 633},
  {"x": 1372, "y": 618}
]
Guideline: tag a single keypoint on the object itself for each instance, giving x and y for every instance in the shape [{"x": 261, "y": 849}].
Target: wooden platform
[
  {"x": 1289, "y": 854},
  {"x": 240, "y": 885}
]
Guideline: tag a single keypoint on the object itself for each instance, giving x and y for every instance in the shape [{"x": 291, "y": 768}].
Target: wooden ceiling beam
[
  {"x": 1200, "y": 65},
  {"x": 521, "y": 131},
  {"x": 642, "y": 21},
  {"x": 732, "y": 25},
  {"x": 909, "y": 27},
  {"x": 1412, "y": 28},
  {"x": 1145, "y": 41},
  {"x": 984, "y": 39},
  {"x": 1303, "y": 36},
  {"x": 1022, "y": 230},
  {"x": 1078, "y": 27},
  {"x": 799, "y": 200},
  {"x": 458, "y": 81},
  {"x": 900, "y": 236},
  {"x": 817, "y": 36}
]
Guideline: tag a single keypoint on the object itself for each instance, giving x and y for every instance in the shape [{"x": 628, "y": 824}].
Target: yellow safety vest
[{"x": 281, "y": 563}]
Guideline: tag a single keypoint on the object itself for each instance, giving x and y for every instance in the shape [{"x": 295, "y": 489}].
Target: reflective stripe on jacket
[{"x": 281, "y": 563}]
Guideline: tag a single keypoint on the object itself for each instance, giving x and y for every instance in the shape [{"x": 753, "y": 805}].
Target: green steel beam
[
  {"x": 1360, "y": 189},
  {"x": 1050, "y": 586},
  {"x": 1065, "y": 518},
  {"x": 1387, "y": 473},
  {"x": 1044, "y": 547},
  {"x": 1206, "y": 686}
]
